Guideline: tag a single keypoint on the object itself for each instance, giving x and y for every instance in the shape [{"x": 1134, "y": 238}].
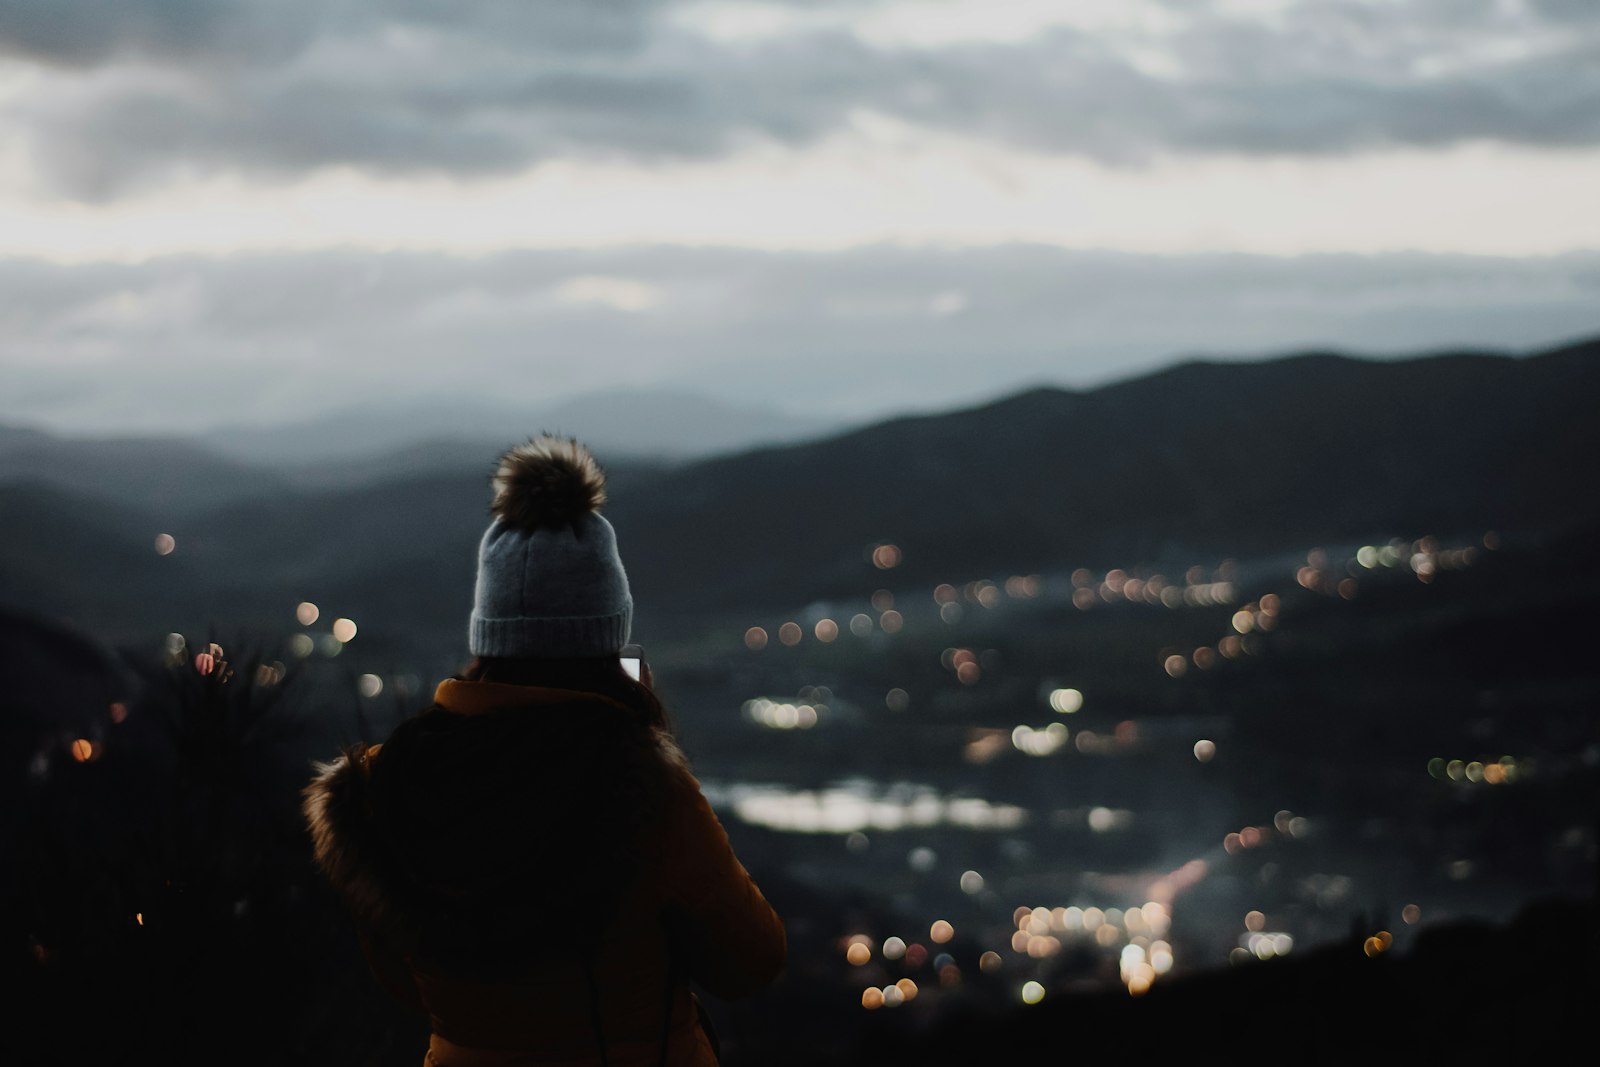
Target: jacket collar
[{"x": 476, "y": 698}]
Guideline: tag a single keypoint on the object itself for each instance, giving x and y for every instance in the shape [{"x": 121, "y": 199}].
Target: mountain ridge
[{"x": 1205, "y": 460}]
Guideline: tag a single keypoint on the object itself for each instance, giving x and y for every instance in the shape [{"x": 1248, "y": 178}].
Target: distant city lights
[
  {"x": 1040, "y": 742},
  {"x": 1103, "y": 820},
  {"x": 1500, "y": 771},
  {"x": 1264, "y": 945},
  {"x": 783, "y": 715},
  {"x": 1223, "y": 636},
  {"x": 860, "y": 805},
  {"x": 1066, "y": 701}
]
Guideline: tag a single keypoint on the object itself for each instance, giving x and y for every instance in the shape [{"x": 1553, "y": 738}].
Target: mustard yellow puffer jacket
[{"x": 632, "y": 890}]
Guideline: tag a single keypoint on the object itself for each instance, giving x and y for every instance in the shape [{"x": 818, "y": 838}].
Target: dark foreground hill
[{"x": 1199, "y": 462}]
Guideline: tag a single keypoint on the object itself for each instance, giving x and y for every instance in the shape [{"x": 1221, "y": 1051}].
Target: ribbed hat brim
[{"x": 551, "y": 638}]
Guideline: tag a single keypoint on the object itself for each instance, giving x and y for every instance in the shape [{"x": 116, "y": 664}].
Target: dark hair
[
  {"x": 508, "y": 829},
  {"x": 601, "y": 675}
]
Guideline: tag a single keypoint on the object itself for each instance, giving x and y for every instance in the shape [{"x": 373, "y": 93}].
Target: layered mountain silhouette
[
  {"x": 1198, "y": 462},
  {"x": 170, "y": 474},
  {"x": 1201, "y": 460},
  {"x": 376, "y": 443},
  {"x": 421, "y": 438}
]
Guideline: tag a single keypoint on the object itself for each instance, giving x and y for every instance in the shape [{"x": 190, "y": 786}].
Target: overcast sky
[{"x": 215, "y": 211}]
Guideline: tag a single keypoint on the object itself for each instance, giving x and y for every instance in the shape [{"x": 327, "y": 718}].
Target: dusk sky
[{"x": 215, "y": 211}]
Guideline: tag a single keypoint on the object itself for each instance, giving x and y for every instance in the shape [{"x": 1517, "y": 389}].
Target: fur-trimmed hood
[
  {"x": 483, "y": 828},
  {"x": 344, "y": 839}
]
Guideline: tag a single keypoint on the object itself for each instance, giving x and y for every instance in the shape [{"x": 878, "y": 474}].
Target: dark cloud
[
  {"x": 186, "y": 342},
  {"x": 186, "y": 86},
  {"x": 1574, "y": 10},
  {"x": 84, "y": 32}
]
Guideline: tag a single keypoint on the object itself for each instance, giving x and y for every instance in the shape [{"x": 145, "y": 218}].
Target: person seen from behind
[{"x": 530, "y": 860}]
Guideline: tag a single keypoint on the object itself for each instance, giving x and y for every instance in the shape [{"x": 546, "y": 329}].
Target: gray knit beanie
[{"x": 550, "y": 582}]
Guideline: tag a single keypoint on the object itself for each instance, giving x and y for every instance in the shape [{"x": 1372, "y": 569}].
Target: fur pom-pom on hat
[{"x": 548, "y": 481}]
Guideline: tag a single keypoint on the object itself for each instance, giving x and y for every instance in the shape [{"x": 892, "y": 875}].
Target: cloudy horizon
[{"x": 215, "y": 211}]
